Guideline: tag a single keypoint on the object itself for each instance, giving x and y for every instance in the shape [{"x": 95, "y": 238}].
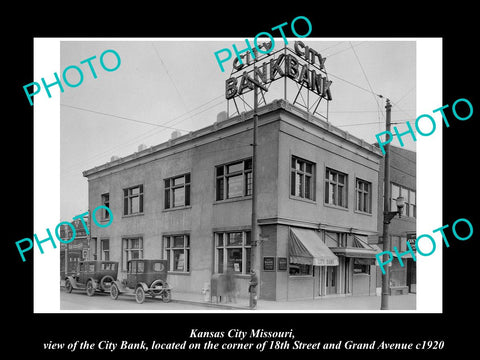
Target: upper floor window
[
  {"x": 177, "y": 191},
  {"x": 105, "y": 202},
  {"x": 302, "y": 182},
  {"x": 234, "y": 180},
  {"x": 336, "y": 188},
  {"x": 363, "y": 190},
  {"x": 133, "y": 200}
]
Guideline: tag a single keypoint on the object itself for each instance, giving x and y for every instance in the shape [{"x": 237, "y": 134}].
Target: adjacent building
[
  {"x": 75, "y": 251},
  {"x": 189, "y": 200},
  {"x": 401, "y": 229}
]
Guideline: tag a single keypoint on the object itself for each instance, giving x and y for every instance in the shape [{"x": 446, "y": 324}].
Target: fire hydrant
[{"x": 206, "y": 291}]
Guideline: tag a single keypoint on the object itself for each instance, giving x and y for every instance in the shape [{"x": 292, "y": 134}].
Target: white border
[{"x": 47, "y": 176}]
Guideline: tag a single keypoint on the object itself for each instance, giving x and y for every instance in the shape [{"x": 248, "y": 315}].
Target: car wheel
[
  {"x": 167, "y": 296},
  {"x": 106, "y": 282},
  {"x": 114, "y": 291},
  {"x": 140, "y": 295},
  {"x": 156, "y": 289},
  {"x": 90, "y": 288},
  {"x": 68, "y": 286}
]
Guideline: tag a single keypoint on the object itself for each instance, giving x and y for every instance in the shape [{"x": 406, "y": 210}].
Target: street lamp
[{"x": 389, "y": 215}]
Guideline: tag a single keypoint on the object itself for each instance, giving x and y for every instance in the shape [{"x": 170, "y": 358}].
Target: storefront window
[
  {"x": 233, "y": 251},
  {"x": 300, "y": 269}
]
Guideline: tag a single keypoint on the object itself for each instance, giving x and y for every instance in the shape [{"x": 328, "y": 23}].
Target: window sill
[
  {"x": 335, "y": 207},
  {"x": 309, "y": 201},
  {"x": 177, "y": 208},
  {"x": 362, "y": 213},
  {"x": 133, "y": 215},
  {"x": 240, "y": 198}
]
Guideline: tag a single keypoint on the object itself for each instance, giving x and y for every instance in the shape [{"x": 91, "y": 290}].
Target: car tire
[
  {"x": 106, "y": 279},
  {"x": 114, "y": 291},
  {"x": 166, "y": 296},
  {"x": 68, "y": 286},
  {"x": 140, "y": 294},
  {"x": 89, "y": 288}
]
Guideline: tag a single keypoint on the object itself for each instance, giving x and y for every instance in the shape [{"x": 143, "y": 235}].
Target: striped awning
[
  {"x": 306, "y": 247},
  {"x": 360, "y": 249}
]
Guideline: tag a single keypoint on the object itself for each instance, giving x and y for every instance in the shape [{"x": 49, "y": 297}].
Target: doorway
[{"x": 331, "y": 280}]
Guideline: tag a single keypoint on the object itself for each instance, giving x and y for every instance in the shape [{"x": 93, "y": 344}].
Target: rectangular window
[
  {"x": 132, "y": 249},
  {"x": 177, "y": 191},
  {"x": 302, "y": 178},
  {"x": 93, "y": 248},
  {"x": 233, "y": 252},
  {"x": 336, "y": 188},
  {"x": 176, "y": 249},
  {"x": 299, "y": 269},
  {"x": 105, "y": 202},
  {"x": 234, "y": 180},
  {"x": 133, "y": 200},
  {"x": 105, "y": 249},
  {"x": 364, "y": 196}
]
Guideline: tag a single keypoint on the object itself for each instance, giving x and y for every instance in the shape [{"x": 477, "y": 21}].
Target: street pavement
[{"x": 78, "y": 300}]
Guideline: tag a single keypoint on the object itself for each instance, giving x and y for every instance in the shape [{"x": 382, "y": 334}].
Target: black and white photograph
[{"x": 252, "y": 185}]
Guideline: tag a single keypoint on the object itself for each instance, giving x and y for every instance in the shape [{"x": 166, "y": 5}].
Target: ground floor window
[
  {"x": 300, "y": 269},
  {"x": 233, "y": 252},
  {"x": 132, "y": 248},
  {"x": 105, "y": 249},
  {"x": 177, "y": 251}
]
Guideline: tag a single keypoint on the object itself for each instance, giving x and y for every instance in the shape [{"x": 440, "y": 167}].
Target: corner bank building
[{"x": 189, "y": 200}]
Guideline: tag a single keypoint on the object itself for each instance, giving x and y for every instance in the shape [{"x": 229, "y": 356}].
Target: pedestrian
[
  {"x": 252, "y": 289},
  {"x": 230, "y": 286}
]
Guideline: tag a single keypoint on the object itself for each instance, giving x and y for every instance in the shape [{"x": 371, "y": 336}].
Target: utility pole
[
  {"x": 387, "y": 244},
  {"x": 254, "y": 182}
]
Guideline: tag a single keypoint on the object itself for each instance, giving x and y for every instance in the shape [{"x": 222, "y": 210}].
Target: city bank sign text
[{"x": 305, "y": 66}]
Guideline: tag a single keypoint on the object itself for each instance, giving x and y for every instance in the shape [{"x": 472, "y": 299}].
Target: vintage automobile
[
  {"x": 93, "y": 275},
  {"x": 144, "y": 276}
]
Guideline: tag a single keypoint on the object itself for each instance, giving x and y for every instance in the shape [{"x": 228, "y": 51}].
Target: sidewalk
[{"x": 397, "y": 302}]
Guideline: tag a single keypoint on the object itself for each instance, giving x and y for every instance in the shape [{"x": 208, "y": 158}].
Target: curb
[{"x": 210, "y": 304}]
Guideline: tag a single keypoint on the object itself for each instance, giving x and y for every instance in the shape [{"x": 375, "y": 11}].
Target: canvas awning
[
  {"x": 306, "y": 247},
  {"x": 361, "y": 249}
]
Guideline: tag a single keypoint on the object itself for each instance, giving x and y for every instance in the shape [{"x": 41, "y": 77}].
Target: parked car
[
  {"x": 92, "y": 275},
  {"x": 144, "y": 276}
]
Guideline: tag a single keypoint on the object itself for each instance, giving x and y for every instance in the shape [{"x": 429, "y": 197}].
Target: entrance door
[{"x": 331, "y": 280}]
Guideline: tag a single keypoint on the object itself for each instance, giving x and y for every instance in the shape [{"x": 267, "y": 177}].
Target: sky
[{"x": 171, "y": 84}]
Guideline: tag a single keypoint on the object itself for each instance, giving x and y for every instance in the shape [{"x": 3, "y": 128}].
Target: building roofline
[{"x": 244, "y": 116}]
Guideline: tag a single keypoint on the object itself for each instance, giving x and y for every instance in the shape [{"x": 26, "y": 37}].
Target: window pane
[
  {"x": 299, "y": 185},
  {"x": 179, "y": 181},
  {"x": 308, "y": 187},
  {"x": 167, "y": 199},
  {"x": 219, "y": 170},
  {"x": 134, "y": 191},
  {"x": 248, "y": 183},
  {"x": 234, "y": 238},
  {"x": 308, "y": 168},
  {"x": 187, "y": 195},
  {"x": 413, "y": 199},
  {"x": 292, "y": 183},
  {"x": 341, "y": 194},
  {"x": 219, "y": 239},
  {"x": 248, "y": 238},
  {"x": 220, "y": 184},
  {"x": 178, "y": 260},
  {"x": 234, "y": 167},
  {"x": 178, "y": 241},
  {"x": 234, "y": 186},
  {"x": 167, "y": 183},
  {"x": 234, "y": 259},
  {"x": 135, "y": 204},
  {"x": 220, "y": 261},
  {"x": 248, "y": 164},
  {"x": 178, "y": 197}
]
